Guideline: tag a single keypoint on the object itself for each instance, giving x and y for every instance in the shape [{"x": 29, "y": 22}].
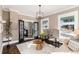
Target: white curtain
[{"x": 0, "y": 35}]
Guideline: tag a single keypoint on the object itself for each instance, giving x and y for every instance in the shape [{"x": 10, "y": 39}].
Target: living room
[{"x": 59, "y": 23}]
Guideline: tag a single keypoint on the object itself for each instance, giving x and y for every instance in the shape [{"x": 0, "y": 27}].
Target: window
[
  {"x": 44, "y": 24},
  {"x": 67, "y": 23}
]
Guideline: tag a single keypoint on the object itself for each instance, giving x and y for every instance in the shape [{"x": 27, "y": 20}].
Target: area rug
[{"x": 30, "y": 48}]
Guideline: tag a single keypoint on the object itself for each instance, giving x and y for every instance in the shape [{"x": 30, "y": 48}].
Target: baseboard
[{"x": 11, "y": 42}]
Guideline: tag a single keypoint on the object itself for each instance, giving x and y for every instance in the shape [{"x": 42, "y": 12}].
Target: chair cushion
[{"x": 52, "y": 39}]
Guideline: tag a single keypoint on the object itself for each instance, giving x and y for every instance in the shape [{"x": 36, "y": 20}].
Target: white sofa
[
  {"x": 71, "y": 42},
  {"x": 74, "y": 45}
]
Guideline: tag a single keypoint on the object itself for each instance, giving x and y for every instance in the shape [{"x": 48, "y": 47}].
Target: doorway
[{"x": 21, "y": 31}]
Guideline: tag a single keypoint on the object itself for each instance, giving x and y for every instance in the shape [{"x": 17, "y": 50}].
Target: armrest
[{"x": 73, "y": 45}]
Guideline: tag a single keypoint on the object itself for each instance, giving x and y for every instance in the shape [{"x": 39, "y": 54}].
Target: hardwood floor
[{"x": 11, "y": 50}]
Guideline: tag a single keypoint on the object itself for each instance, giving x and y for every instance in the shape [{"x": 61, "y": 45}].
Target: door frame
[{"x": 21, "y": 39}]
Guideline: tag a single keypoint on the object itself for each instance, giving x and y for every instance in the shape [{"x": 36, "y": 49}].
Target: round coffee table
[{"x": 39, "y": 44}]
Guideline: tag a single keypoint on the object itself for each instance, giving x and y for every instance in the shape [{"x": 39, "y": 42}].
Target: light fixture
[{"x": 39, "y": 14}]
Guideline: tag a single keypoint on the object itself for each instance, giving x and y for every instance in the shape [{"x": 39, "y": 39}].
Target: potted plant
[{"x": 42, "y": 36}]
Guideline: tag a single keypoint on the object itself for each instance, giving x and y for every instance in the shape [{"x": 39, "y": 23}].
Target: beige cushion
[{"x": 77, "y": 36}]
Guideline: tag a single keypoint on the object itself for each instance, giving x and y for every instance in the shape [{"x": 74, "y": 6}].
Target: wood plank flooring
[{"x": 12, "y": 50}]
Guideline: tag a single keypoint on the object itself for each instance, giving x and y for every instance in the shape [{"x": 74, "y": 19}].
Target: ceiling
[{"x": 30, "y": 10}]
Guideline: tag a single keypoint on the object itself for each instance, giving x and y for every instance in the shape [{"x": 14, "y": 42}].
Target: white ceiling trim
[
  {"x": 60, "y": 11},
  {"x": 17, "y": 11},
  {"x": 51, "y": 12}
]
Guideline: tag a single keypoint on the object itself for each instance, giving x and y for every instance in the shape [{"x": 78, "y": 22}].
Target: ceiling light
[{"x": 39, "y": 14}]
